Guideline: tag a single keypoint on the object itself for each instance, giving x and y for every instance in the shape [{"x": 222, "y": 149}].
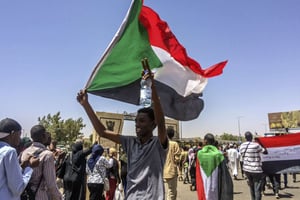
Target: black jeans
[
  {"x": 96, "y": 191},
  {"x": 255, "y": 182},
  {"x": 275, "y": 180}
]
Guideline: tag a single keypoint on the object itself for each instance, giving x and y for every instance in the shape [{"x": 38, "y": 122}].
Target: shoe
[
  {"x": 277, "y": 196},
  {"x": 294, "y": 180},
  {"x": 192, "y": 188}
]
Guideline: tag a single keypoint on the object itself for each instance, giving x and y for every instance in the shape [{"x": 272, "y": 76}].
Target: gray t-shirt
[{"x": 145, "y": 168}]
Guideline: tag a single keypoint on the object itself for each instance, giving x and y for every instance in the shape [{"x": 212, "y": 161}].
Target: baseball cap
[{"x": 8, "y": 126}]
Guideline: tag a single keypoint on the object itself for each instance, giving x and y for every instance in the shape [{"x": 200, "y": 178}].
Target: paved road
[{"x": 241, "y": 191}]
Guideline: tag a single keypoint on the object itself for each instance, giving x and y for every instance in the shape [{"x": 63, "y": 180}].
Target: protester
[
  {"x": 213, "y": 178},
  {"x": 233, "y": 160},
  {"x": 192, "y": 167},
  {"x": 252, "y": 165},
  {"x": 275, "y": 180},
  {"x": 294, "y": 177},
  {"x": 74, "y": 178},
  {"x": 43, "y": 180},
  {"x": 241, "y": 163},
  {"x": 146, "y": 153},
  {"x": 170, "y": 168},
  {"x": 185, "y": 158},
  {"x": 24, "y": 143},
  {"x": 180, "y": 166},
  {"x": 96, "y": 171},
  {"x": 112, "y": 174},
  {"x": 123, "y": 162},
  {"x": 13, "y": 176},
  {"x": 58, "y": 154}
]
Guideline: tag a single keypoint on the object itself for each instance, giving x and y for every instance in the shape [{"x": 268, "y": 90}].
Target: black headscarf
[{"x": 77, "y": 147}]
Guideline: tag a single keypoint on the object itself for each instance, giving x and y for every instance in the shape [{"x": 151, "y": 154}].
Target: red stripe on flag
[
  {"x": 160, "y": 35},
  {"x": 199, "y": 182},
  {"x": 280, "y": 141}
]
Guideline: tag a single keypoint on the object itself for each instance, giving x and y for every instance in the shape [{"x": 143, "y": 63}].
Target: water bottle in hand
[{"x": 146, "y": 93}]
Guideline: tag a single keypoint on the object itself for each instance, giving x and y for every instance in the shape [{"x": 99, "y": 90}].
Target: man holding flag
[
  {"x": 146, "y": 153},
  {"x": 251, "y": 153},
  {"x": 179, "y": 79}
]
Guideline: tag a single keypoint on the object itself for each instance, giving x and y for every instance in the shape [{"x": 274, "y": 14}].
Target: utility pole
[{"x": 239, "y": 128}]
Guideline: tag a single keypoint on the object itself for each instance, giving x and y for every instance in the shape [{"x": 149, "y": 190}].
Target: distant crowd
[
  {"x": 48, "y": 172},
  {"x": 147, "y": 167}
]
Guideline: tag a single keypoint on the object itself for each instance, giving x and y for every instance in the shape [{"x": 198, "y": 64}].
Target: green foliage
[
  {"x": 64, "y": 131},
  {"x": 230, "y": 137}
]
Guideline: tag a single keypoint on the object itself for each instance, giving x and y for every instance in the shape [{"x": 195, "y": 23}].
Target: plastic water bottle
[{"x": 146, "y": 93}]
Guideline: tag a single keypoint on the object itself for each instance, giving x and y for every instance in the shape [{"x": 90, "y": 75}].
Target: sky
[{"x": 48, "y": 50}]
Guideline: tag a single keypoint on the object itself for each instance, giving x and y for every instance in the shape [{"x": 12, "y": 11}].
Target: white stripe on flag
[
  {"x": 183, "y": 80},
  {"x": 282, "y": 153}
]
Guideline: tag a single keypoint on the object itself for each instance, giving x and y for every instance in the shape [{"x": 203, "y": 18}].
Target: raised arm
[
  {"x": 158, "y": 111},
  {"x": 82, "y": 98}
]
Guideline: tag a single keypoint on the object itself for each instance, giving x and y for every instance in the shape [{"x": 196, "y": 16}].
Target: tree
[
  {"x": 230, "y": 137},
  {"x": 63, "y": 131}
]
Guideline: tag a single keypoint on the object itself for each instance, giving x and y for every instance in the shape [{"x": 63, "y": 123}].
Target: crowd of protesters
[
  {"x": 52, "y": 173},
  {"x": 148, "y": 166}
]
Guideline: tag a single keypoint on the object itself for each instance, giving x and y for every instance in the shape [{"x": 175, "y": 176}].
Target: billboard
[
  {"x": 173, "y": 124},
  {"x": 283, "y": 120},
  {"x": 111, "y": 121}
]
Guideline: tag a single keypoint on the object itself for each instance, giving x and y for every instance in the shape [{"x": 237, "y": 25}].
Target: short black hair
[
  {"x": 200, "y": 144},
  {"x": 170, "y": 132},
  {"x": 210, "y": 139},
  {"x": 37, "y": 133},
  {"x": 248, "y": 136},
  {"x": 149, "y": 111}
]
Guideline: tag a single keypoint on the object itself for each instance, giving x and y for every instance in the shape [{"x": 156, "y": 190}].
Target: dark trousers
[
  {"x": 241, "y": 164},
  {"x": 255, "y": 182},
  {"x": 96, "y": 191},
  {"x": 275, "y": 180}
]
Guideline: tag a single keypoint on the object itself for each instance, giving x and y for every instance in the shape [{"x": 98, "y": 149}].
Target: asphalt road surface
[{"x": 241, "y": 190}]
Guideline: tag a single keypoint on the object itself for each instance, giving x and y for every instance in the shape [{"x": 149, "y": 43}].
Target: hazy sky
[{"x": 48, "y": 50}]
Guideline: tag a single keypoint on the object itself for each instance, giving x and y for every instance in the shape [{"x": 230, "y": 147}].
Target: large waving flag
[
  {"x": 179, "y": 79},
  {"x": 283, "y": 153},
  {"x": 213, "y": 180}
]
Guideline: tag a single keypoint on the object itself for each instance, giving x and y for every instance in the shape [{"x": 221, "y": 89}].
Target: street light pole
[{"x": 239, "y": 128}]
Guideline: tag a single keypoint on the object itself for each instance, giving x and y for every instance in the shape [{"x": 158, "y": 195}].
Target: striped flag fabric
[
  {"x": 213, "y": 180},
  {"x": 179, "y": 79},
  {"x": 283, "y": 153}
]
